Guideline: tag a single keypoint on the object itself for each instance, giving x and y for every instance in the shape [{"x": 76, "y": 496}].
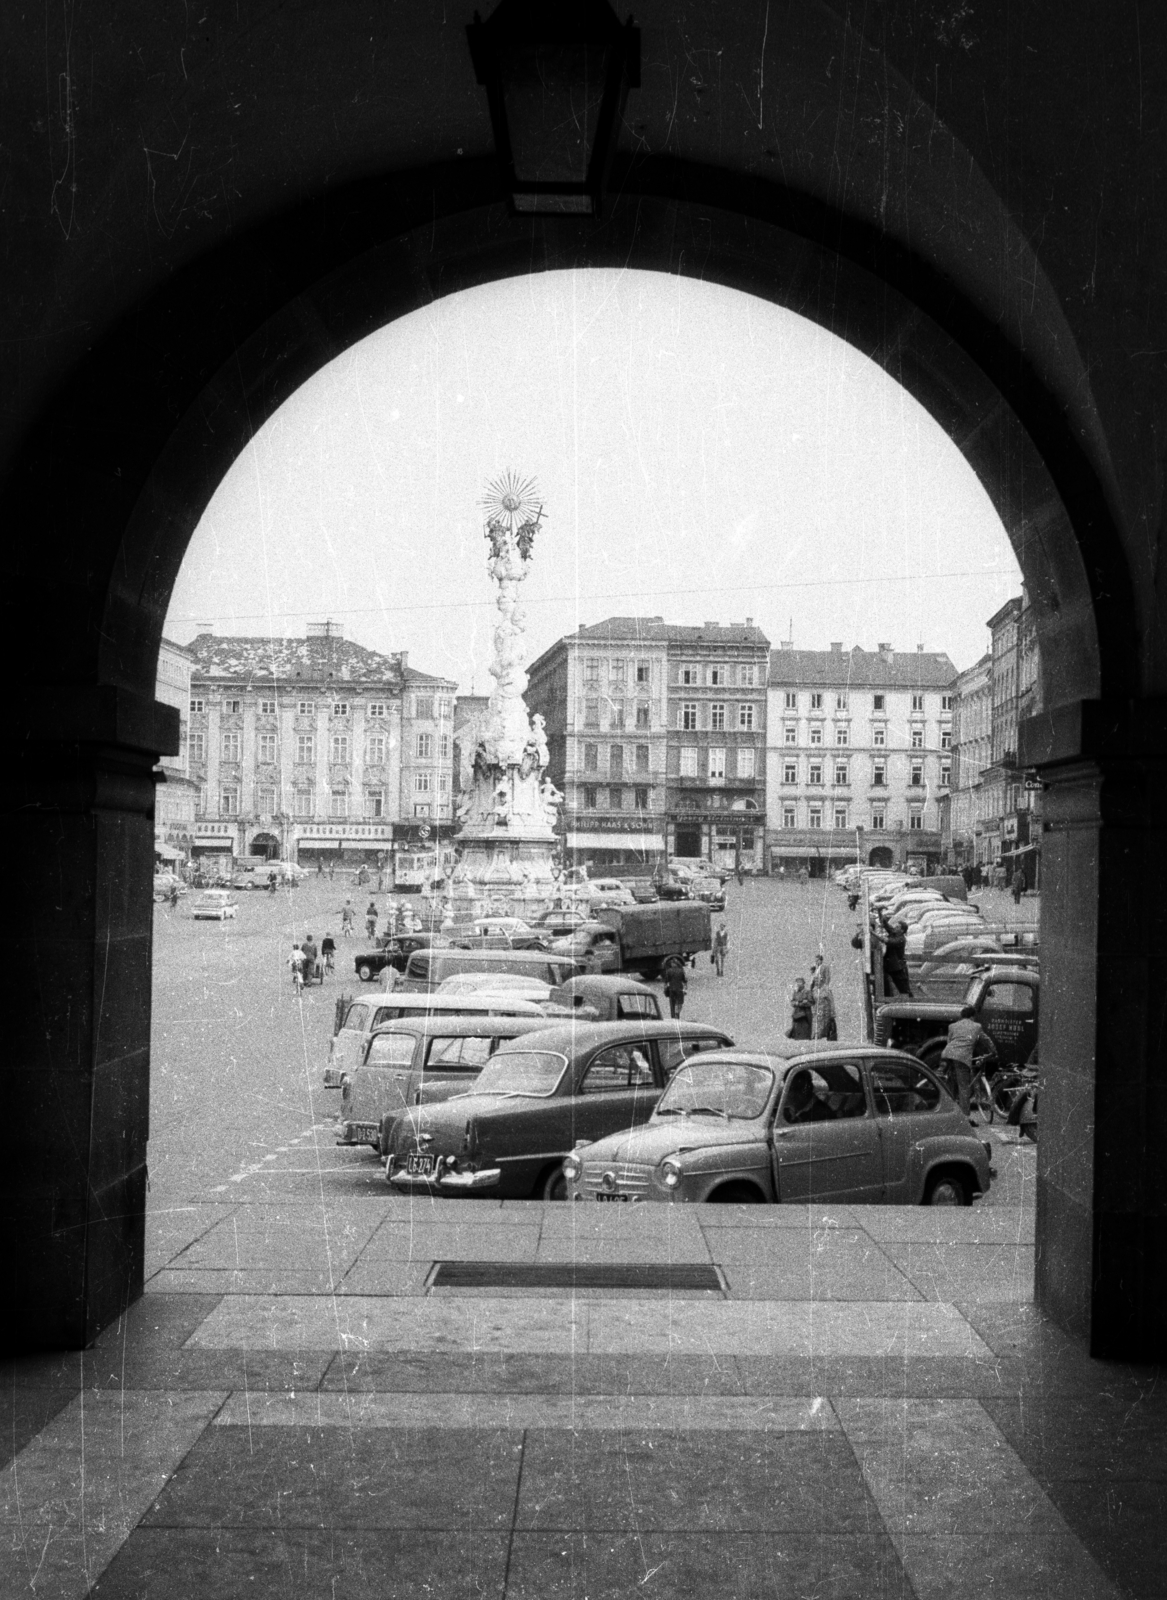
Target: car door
[
  {"x": 826, "y": 1146},
  {"x": 1009, "y": 1017},
  {"x": 906, "y": 1100},
  {"x": 619, "y": 1089},
  {"x": 348, "y": 1043}
]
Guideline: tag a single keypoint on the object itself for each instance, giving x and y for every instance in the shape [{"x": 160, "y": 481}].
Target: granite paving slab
[
  {"x": 1008, "y": 1564},
  {"x": 759, "y": 1565},
  {"x": 494, "y": 1372},
  {"x": 966, "y": 1272},
  {"x": 639, "y": 1481}
]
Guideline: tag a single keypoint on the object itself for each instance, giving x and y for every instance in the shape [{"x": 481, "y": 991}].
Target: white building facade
[
  {"x": 176, "y": 793},
  {"x": 858, "y": 757},
  {"x": 317, "y": 749}
]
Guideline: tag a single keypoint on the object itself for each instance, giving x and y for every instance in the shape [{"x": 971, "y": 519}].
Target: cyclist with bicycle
[{"x": 966, "y": 1040}]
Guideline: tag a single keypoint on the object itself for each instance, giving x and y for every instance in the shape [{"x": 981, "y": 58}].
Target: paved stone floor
[{"x": 867, "y": 1405}]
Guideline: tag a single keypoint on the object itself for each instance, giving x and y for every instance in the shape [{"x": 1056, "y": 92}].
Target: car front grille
[{"x": 631, "y": 1178}]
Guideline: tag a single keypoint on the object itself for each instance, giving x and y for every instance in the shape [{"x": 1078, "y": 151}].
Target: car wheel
[
  {"x": 365, "y": 972},
  {"x": 947, "y": 1189},
  {"x": 555, "y": 1186}
]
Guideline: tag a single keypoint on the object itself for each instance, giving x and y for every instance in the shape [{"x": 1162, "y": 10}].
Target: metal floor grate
[{"x": 571, "y": 1275}]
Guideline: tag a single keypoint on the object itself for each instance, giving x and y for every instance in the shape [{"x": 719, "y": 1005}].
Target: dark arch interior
[{"x": 131, "y": 449}]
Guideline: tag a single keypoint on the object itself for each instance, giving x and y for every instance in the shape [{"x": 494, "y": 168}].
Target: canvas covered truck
[{"x": 640, "y": 938}]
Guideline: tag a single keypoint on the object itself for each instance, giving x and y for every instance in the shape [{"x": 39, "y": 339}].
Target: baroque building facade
[
  {"x": 317, "y": 749},
  {"x": 858, "y": 757}
]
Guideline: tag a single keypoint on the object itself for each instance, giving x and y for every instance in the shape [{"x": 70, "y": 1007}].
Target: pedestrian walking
[
  {"x": 676, "y": 982},
  {"x": 296, "y": 963},
  {"x": 956, "y": 1062},
  {"x": 271, "y": 883},
  {"x": 822, "y": 1021},
  {"x": 893, "y": 938},
  {"x": 389, "y": 977},
  {"x": 331, "y": 871},
  {"x": 347, "y": 917},
  {"x": 311, "y": 960},
  {"x": 320, "y": 866},
  {"x": 371, "y": 920},
  {"x": 720, "y": 947},
  {"x": 803, "y": 876},
  {"x": 328, "y": 951},
  {"x": 1018, "y": 885},
  {"x": 801, "y": 1011}
]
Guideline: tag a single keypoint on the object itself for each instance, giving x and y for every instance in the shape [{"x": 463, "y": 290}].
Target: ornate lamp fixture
[{"x": 556, "y": 74}]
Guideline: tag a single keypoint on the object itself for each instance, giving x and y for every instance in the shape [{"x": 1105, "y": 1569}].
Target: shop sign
[
  {"x": 1009, "y": 827},
  {"x": 346, "y": 830}
]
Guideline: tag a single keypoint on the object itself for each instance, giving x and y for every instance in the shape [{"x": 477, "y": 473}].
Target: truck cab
[{"x": 1004, "y": 1000}]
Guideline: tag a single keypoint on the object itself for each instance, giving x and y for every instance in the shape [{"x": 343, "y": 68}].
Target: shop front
[
  {"x": 615, "y": 848},
  {"x": 339, "y": 846},
  {"x": 731, "y": 840}
]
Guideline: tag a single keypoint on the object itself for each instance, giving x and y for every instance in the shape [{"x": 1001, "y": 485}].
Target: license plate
[
  {"x": 613, "y": 1197},
  {"x": 419, "y": 1166},
  {"x": 366, "y": 1130}
]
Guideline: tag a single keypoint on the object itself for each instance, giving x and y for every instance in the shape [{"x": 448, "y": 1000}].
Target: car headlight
[
  {"x": 572, "y": 1168},
  {"x": 670, "y": 1172}
]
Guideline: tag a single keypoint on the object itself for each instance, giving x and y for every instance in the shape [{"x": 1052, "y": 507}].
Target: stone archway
[
  {"x": 672, "y": 219},
  {"x": 881, "y": 856}
]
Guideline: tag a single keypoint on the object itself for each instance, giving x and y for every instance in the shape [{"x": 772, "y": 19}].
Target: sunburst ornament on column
[{"x": 513, "y": 511}]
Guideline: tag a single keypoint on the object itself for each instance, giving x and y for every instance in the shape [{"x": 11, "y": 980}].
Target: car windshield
[
  {"x": 731, "y": 1089},
  {"x": 526, "y": 1072}
]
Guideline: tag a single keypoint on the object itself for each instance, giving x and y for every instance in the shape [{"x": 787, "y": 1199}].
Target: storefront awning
[
  {"x": 615, "y": 841},
  {"x": 167, "y": 852}
]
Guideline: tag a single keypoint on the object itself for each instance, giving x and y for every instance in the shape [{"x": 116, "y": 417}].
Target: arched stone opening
[{"x": 893, "y": 307}]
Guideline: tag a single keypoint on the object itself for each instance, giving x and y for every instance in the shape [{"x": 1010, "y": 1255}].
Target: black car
[{"x": 394, "y": 950}]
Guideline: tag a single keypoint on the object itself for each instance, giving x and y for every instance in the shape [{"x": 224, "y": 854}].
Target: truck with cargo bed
[{"x": 640, "y": 938}]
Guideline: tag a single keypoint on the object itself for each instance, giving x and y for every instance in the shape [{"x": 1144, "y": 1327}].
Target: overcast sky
[{"x": 702, "y": 455}]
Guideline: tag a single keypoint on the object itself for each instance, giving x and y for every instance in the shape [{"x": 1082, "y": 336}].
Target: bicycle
[{"x": 297, "y": 982}]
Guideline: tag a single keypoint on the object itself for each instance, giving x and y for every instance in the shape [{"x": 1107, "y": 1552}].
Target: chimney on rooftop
[
  {"x": 786, "y": 644},
  {"x": 204, "y": 627},
  {"x": 749, "y": 622},
  {"x": 920, "y": 649},
  {"x": 711, "y": 624},
  {"x": 836, "y": 645}
]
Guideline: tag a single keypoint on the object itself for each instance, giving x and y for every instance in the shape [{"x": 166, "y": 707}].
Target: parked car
[
  {"x": 166, "y": 884},
  {"x": 1004, "y": 1000},
  {"x": 426, "y": 969},
  {"x": 608, "y": 892},
  {"x": 799, "y": 1123},
  {"x": 515, "y": 984},
  {"x": 597, "y": 997},
  {"x": 364, "y": 1017},
  {"x": 537, "y": 1096},
  {"x": 418, "y": 1061},
  {"x": 215, "y": 905},
  {"x": 394, "y": 950},
  {"x": 556, "y": 924},
  {"x": 643, "y": 891},
  {"x": 495, "y": 933}
]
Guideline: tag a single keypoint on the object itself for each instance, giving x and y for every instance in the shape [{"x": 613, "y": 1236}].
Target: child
[{"x": 328, "y": 951}]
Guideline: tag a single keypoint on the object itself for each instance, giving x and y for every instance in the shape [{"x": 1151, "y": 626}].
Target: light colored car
[
  {"x": 609, "y": 892},
  {"x": 215, "y": 905},
  {"x": 365, "y": 1016},
  {"x": 515, "y": 985},
  {"x": 800, "y": 1123},
  {"x": 419, "y": 1062},
  {"x": 166, "y": 884}
]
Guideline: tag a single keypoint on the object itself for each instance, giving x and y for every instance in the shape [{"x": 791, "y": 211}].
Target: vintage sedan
[
  {"x": 603, "y": 997},
  {"x": 534, "y": 1100},
  {"x": 350, "y": 1041},
  {"x": 215, "y": 905},
  {"x": 802, "y": 1122},
  {"x": 415, "y": 1062}
]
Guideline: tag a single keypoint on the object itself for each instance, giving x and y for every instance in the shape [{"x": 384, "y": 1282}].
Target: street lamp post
[{"x": 556, "y": 77}]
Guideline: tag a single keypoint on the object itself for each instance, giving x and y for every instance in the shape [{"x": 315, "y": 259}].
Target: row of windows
[
  {"x": 617, "y": 713},
  {"x": 340, "y": 747},
  {"x": 615, "y": 762},
  {"x": 716, "y": 676},
  {"x": 423, "y": 707},
  {"x": 618, "y": 670},
  {"x": 843, "y": 700},
  {"x": 339, "y": 802},
  {"x": 595, "y": 799},
  {"x": 838, "y": 815},
  {"x": 842, "y": 735},
  {"x": 842, "y": 772},
  {"x": 721, "y": 716},
  {"x": 716, "y": 762}
]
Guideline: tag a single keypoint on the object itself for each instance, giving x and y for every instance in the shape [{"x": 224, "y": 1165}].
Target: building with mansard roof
[{"x": 317, "y": 749}]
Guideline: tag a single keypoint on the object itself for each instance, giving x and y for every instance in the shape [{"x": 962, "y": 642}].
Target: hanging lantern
[{"x": 556, "y": 76}]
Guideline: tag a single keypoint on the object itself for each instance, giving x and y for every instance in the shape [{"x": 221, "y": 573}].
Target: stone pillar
[
  {"x": 1101, "y": 1201},
  {"x": 76, "y": 1071}
]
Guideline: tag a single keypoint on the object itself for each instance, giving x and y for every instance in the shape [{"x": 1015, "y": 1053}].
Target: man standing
[
  {"x": 720, "y": 947},
  {"x": 676, "y": 982},
  {"x": 311, "y": 960},
  {"x": 964, "y": 1037},
  {"x": 893, "y": 938},
  {"x": 1018, "y": 884}
]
